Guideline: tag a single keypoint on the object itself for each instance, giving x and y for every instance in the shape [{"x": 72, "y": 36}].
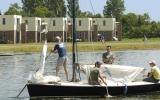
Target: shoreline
[{"x": 82, "y": 46}]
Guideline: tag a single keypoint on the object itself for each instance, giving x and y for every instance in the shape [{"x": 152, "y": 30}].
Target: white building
[
  {"x": 56, "y": 27},
  {"x": 15, "y": 29},
  {"x": 103, "y": 26},
  {"x": 31, "y": 29},
  {"x": 10, "y": 28}
]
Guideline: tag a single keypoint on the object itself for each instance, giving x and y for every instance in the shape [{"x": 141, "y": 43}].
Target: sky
[{"x": 151, "y": 7}]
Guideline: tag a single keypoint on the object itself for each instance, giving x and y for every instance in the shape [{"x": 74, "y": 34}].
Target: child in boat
[
  {"x": 154, "y": 75},
  {"x": 95, "y": 75}
]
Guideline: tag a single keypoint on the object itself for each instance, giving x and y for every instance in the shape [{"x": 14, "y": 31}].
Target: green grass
[{"x": 126, "y": 44}]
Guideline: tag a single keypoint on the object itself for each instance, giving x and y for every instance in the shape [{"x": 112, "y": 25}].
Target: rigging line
[{"x": 92, "y": 26}]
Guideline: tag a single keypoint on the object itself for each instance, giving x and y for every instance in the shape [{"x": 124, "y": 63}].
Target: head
[
  {"x": 58, "y": 39},
  {"x": 108, "y": 48},
  {"x": 98, "y": 64},
  {"x": 152, "y": 63}
]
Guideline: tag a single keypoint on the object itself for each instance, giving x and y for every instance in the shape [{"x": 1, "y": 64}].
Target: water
[{"x": 14, "y": 71}]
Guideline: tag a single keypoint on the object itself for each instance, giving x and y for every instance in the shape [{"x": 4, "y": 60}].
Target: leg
[
  {"x": 58, "y": 66},
  {"x": 65, "y": 68},
  {"x": 150, "y": 79},
  {"x": 57, "y": 69}
]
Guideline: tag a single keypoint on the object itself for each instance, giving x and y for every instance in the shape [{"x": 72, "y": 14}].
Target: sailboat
[{"x": 50, "y": 86}]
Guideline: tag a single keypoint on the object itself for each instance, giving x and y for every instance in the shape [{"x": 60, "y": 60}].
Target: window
[
  {"x": 94, "y": 21},
  {"x": 26, "y": 22},
  {"x": 38, "y": 22},
  {"x": 104, "y": 23},
  {"x": 80, "y": 23},
  {"x": 4, "y": 21},
  {"x": 54, "y": 23},
  {"x": 18, "y": 21}
]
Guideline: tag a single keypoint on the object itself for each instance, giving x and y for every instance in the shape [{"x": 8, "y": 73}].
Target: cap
[
  {"x": 98, "y": 63},
  {"x": 152, "y": 61},
  {"x": 58, "y": 38}
]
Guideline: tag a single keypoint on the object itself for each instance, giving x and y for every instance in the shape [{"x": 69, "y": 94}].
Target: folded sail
[
  {"x": 43, "y": 59},
  {"x": 38, "y": 75},
  {"x": 116, "y": 72}
]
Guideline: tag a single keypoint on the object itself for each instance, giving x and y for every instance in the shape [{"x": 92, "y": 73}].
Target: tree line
[{"x": 133, "y": 25}]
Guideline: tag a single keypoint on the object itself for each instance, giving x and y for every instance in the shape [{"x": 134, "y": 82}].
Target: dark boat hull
[{"x": 38, "y": 90}]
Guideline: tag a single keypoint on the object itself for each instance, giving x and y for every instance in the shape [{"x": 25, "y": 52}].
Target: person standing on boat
[
  {"x": 154, "y": 75},
  {"x": 95, "y": 75},
  {"x": 108, "y": 57},
  {"x": 62, "y": 59}
]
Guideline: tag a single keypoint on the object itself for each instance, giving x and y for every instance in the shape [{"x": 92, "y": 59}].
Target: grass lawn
[{"x": 125, "y": 44}]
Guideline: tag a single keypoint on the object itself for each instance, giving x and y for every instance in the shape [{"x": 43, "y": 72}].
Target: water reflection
[{"x": 14, "y": 71}]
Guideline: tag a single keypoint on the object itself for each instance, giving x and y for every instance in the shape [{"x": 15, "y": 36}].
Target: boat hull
[{"x": 38, "y": 90}]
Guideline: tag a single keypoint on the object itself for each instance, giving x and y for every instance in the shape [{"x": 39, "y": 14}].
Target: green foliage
[
  {"x": 89, "y": 14},
  {"x": 70, "y": 6},
  {"x": 136, "y": 26},
  {"x": 56, "y": 8},
  {"x": 114, "y": 8},
  {"x": 14, "y": 9},
  {"x": 53, "y": 8},
  {"x": 41, "y": 11}
]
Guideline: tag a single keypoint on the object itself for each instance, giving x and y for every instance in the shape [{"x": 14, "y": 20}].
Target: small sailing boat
[{"x": 51, "y": 86}]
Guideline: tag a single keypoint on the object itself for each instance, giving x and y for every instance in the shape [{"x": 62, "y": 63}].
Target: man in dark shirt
[
  {"x": 95, "y": 75},
  {"x": 108, "y": 57},
  {"x": 62, "y": 59}
]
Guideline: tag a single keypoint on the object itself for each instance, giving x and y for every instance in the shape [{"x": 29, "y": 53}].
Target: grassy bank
[{"x": 126, "y": 44}]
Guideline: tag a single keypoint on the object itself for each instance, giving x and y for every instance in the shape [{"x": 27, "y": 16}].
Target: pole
[
  {"x": 73, "y": 42},
  {"x": 21, "y": 91}
]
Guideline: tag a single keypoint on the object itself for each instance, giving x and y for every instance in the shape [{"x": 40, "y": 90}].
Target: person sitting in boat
[
  {"x": 62, "y": 59},
  {"x": 108, "y": 57},
  {"x": 154, "y": 75},
  {"x": 95, "y": 75}
]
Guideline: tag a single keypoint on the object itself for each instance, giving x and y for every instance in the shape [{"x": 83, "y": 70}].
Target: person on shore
[
  {"x": 62, "y": 59},
  {"x": 108, "y": 57},
  {"x": 95, "y": 75},
  {"x": 154, "y": 74}
]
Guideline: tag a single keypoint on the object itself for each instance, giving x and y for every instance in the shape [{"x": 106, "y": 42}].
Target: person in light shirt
[{"x": 154, "y": 74}]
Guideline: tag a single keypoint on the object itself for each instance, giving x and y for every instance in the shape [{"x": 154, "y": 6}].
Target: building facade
[
  {"x": 10, "y": 28},
  {"x": 31, "y": 28},
  {"x": 15, "y": 29},
  {"x": 56, "y": 27}
]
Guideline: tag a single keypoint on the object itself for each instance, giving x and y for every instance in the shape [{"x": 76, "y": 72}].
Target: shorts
[{"x": 61, "y": 60}]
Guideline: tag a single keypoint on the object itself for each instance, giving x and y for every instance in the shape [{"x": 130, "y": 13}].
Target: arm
[
  {"x": 103, "y": 57},
  {"x": 102, "y": 80},
  {"x": 54, "y": 50}
]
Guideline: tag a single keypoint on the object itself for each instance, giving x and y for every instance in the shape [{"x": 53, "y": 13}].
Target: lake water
[{"x": 14, "y": 71}]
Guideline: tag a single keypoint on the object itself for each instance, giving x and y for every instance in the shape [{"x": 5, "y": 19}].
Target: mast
[{"x": 73, "y": 42}]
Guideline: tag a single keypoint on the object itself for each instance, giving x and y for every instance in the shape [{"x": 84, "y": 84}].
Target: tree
[
  {"x": 14, "y": 9},
  {"x": 136, "y": 25},
  {"x": 41, "y": 11},
  {"x": 56, "y": 8},
  {"x": 85, "y": 14},
  {"x": 70, "y": 6},
  {"x": 114, "y": 8},
  {"x": 61, "y": 11},
  {"x": 30, "y": 5}
]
